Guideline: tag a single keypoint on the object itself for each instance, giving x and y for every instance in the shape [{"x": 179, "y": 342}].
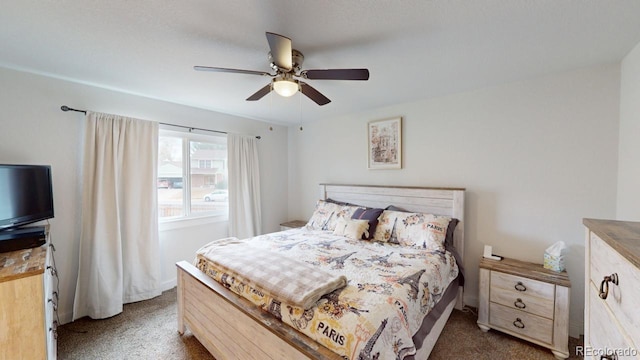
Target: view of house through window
[
  {"x": 209, "y": 176},
  {"x": 192, "y": 175}
]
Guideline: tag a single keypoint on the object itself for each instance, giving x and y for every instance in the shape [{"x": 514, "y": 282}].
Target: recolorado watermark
[{"x": 591, "y": 351}]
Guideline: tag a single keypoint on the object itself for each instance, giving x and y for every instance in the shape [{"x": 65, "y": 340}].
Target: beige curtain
[
  {"x": 119, "y": 247},
  {"x": 245, "y": 218}
]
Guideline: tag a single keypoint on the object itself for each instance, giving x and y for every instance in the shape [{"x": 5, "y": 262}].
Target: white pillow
[{"x": 352, "y": 228}]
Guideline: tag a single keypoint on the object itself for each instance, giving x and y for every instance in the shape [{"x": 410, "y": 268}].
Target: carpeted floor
[{"x": 147, "y": 330}]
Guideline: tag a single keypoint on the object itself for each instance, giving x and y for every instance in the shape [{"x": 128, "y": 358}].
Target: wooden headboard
[{"x": 429, "y": 200}]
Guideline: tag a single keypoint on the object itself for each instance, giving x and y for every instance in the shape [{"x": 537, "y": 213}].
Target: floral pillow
[
  {"x": 326, "y": 215},
  {"x": 426, "y": 231}
]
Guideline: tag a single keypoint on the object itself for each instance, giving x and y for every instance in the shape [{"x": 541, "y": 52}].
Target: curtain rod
[{"x": 66, "y": 108}]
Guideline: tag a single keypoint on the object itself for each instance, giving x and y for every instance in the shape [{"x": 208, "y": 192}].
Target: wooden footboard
[{"x": 231, "y": 327}]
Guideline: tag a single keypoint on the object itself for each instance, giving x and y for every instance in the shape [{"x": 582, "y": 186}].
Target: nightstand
[
  {"x": 527, "y": 301},
  {"x": 292, "y": 225}
]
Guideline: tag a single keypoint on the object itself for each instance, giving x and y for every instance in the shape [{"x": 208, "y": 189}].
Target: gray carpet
[{"x": 147, "y": 330}]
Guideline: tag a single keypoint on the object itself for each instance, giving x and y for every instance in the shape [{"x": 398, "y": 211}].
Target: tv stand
[{"x": 22, "y": 238}]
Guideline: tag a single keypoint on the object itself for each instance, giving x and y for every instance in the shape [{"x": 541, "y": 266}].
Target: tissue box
[{"x": 555, "y": 263}]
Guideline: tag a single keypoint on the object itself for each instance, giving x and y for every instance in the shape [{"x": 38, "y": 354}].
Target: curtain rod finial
[{"x": 64, "y": 108}]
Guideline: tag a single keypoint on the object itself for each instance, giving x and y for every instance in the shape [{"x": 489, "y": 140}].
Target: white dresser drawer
[
  {"x": 520, "y": 322},
  {"x": 523, "y": 301},
  {"x": 522, "y": 285},
  {"x": 623, "y": 300},
  {"x": 605, "y": 334}
]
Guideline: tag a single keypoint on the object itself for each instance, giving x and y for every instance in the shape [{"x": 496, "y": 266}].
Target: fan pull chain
[{"x": 300, "y": 108}]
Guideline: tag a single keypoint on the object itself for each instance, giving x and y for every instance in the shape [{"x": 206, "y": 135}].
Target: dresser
[
  {"x": 612, "y": 289},
  {"x": 525, "y": 300},
  {"x": 28, "y": 304}
]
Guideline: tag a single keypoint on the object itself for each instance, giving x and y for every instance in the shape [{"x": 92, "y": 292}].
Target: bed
[{"x": 232, "y": 327}]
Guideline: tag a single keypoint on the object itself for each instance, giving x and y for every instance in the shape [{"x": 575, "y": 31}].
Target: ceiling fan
[{"x": 286, "y": 62}]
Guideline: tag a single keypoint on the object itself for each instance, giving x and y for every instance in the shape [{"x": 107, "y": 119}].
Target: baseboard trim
[
  {"x": 471, "y": 300},
  {"x": 169, "y": 284},
  {"x": 65, "y": 318},
  {"x": 576, "y": 329}
]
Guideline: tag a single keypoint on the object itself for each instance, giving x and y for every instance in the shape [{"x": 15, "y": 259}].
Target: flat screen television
[{"x": 26, "y": 195}]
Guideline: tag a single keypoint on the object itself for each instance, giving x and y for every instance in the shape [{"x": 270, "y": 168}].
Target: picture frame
[{"x": 384, "y": 143}]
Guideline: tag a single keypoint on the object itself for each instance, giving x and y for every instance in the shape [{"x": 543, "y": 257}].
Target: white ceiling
[{"x": 414, "y": 49}]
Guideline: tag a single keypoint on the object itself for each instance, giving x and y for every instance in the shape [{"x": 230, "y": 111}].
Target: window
[{"x": 192, "y": 175}]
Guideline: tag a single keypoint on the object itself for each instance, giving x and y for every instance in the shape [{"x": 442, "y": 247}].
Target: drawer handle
[
  {"x": 519, "y": 304},
  {"x": 54, "y": 304},
  {"x": 520, "y": 286},
  {"x": 54, "y": 329},
  {"x": 53, "y": 271},
  {"x": 518, "y": 323},
  {"x": 604, "y": 285}
]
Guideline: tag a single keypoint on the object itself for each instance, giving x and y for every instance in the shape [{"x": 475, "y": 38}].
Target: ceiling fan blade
[
  {"x": 313, "y": 94},
  {"x": 336, "y": 74},
  {"x": 280, "y": 50},
  {"x": 237, "y": 71},
  {"x": 260, "y": 93}
]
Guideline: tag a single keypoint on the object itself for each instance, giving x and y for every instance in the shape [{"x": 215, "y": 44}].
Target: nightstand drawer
[
  {"x": 520, "y": 322},
  {"x": 522, "y": 301},
  {"x": 522, "y": 286}
]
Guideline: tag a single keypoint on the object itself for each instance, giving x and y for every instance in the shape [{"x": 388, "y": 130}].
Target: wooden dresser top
[
  {"x": 623, "y": 236},
  {"x": 22, "y": 263}
]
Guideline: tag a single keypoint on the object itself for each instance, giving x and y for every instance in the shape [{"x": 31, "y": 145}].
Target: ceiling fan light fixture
[
  {"x": 287, "y": 62},
  {"x": 286, "y": 88}
]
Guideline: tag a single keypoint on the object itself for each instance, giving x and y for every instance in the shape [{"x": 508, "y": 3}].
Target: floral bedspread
[{"x": 390, "y": 290}]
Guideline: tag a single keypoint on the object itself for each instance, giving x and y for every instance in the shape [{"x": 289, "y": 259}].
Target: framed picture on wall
[{"x": 385, "y": 144}]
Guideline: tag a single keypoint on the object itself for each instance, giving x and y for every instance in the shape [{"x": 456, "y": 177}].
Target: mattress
[{"x": 381, "y": 313}]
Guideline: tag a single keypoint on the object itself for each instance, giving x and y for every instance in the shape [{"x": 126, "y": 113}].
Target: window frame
[{"x": 188, "y": 218}]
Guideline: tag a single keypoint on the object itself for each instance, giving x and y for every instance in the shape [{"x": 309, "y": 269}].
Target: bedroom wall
[
  {"x": 534, "y": 156},
  {"x": 34, "y": 130},
  {"x": 629, "y": 149}
]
